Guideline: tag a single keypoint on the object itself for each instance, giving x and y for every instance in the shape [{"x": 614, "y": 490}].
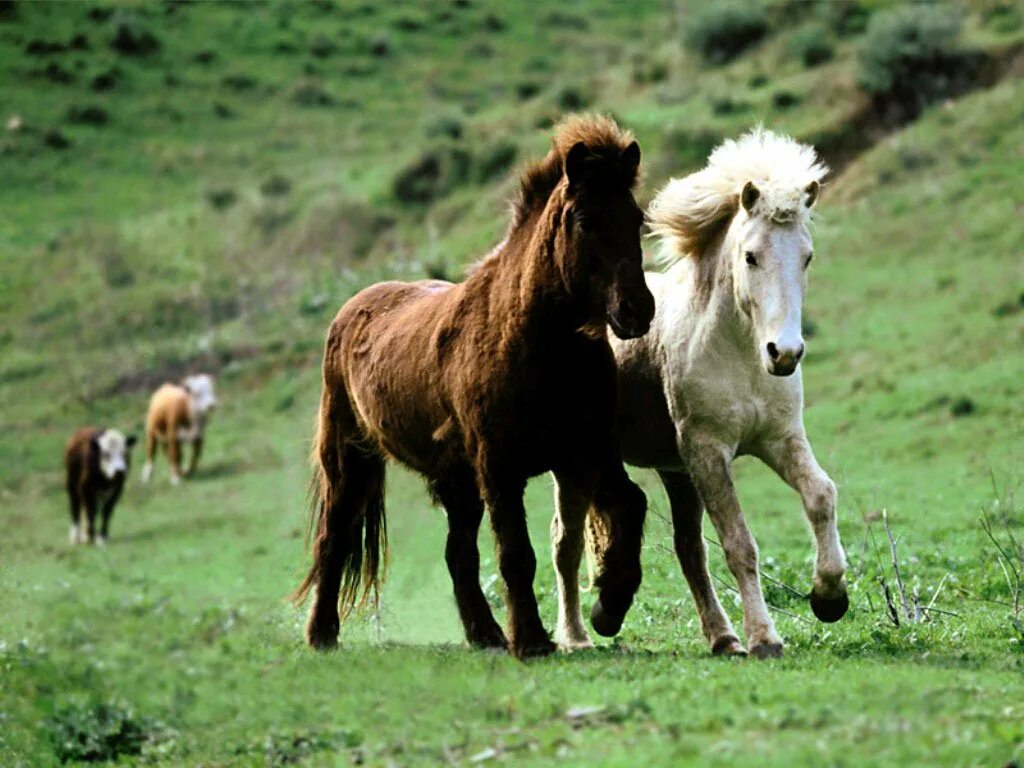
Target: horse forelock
[
  {"x": 606, "y": 142},
  {"x": 688, "y": 212}
]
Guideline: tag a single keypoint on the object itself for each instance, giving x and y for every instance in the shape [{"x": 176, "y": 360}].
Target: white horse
[{"x": 716, "y": 377}]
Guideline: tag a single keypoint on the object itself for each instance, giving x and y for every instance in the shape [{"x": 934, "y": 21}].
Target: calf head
[
  {"x": 113, "y": 451},
  {"x": 200, "y": 391}
]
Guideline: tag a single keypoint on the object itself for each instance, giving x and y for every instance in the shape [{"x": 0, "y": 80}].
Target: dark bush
[
  {"x": 79, "y": 42},
  {"x": 56, "y": 73},
  {"x": 39, "y": 47},
  {"x": 444, "y": 125},
  {"x": 496, "y": 160},
  {"x": 1003, "y": 15},
  {"x": 222, "y": 198},
  {"x": 8, "y": 10},
  {"x": 432, "y": 175},
  {"x": 88, "y": 115},
  {"x": 276, "y": 186},
  {"x": 571, "y": 97},
  {"x": 99, "y": 13},
  {"x": 527, "y": 89},
  {"x": 410, "y": 23},
  {"x": 724, "y": 30},
  {"x": 311, "y": 93},
  {"x": 785, "y": 99},
  {"x": 55, "y": 139},
  {"x": 239, "y": 82},
  {"x": 222, "y": 110},
  {"x": 493, "y": 23},
  {"x": 107, "y": 79},
  {"x": 322, "y": 46},
  {"x": 380, "y": 46},
  {"x": 912, "y": 56},
  {"x": 845, "y": 18},
  {"x": 727, "y": 105},
  {"x": 205, "y": 56},
  {"x": 131, "y": 38},
  {"x": 811, "y": 46}
]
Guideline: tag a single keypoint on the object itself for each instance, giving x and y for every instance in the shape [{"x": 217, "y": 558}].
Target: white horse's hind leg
[
  {"x": 793, "y": 460},
  {"x": 567, "y": 534},
  {"x": 709, "y": 464},
  {"x": 687, "y": 512}
]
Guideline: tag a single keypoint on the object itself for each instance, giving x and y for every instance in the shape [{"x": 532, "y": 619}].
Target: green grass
[{"x": 181, "y": 625}]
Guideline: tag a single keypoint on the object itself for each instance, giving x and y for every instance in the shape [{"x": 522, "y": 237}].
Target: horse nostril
[
  {"x": 800, "y": 353},
  {"x": 773, "y": 351}
]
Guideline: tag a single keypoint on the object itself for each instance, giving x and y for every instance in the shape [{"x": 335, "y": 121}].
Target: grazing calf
[
  {"x": 97, "y": 463},
  {"x": 178, "y": 413}
]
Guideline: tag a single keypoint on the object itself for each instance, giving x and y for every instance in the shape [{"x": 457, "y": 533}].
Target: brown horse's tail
[{"x": 347, "y": 524}]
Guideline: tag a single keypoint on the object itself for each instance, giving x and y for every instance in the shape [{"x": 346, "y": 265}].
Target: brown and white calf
[
  {"x": 178, "y": 413},
  {"x": 97, "y": 462}
]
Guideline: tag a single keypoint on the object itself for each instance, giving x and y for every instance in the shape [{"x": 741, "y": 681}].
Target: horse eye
[
  {"x": 751, "y": 259},
  {"x": 807, "y": 263}
]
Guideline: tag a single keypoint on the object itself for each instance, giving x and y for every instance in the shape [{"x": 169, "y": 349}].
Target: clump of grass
[
  {"x": 98, "y": 731},
  {"x": 311, "y": 93},
  {"x": 722, "y": 31}
]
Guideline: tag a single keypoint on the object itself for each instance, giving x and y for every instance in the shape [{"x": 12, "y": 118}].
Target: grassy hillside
[{"x": 261, "y": 163}]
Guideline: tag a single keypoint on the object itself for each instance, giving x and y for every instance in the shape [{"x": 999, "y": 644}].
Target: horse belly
[{"x": 646, "y": 432}]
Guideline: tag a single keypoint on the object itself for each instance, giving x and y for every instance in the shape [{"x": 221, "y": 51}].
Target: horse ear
[
  {"x": 574, "y": 162},
  {"x": 631, "y": 157},
  {"x": 749, "y": 196},
  {"x": 812, "y": 191}
]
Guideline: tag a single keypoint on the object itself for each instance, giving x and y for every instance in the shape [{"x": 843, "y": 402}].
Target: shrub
[
  {"x": 322, "y": 46},
  {"x": 812, "y": 46},
  {"x": 571, "y": 97},
  {"x": 496, "y": 160},
  {"x": 846, "y": 18},
  {"x": 911, "y": 56},
  {"x": 88, "y": 115},
  {"x": 432, "y": 175},
  {"x": 311, "y": 93},
  {"x": 724, "y": 30},
  {"x": 222, "y": 198},
  {"x": 444, "y": 125},
  {"x": 131, "y": 38},
  {"x": 276, "y": 186}
]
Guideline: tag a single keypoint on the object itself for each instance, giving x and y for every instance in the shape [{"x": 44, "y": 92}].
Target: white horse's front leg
[
  {"x": 792, "y": 458},
  {"x": 567, "y": 534},
  {"x": 710, "y": 468}
]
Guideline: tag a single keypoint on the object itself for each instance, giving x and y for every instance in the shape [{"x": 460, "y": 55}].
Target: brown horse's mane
[{"x": 602, "y": 137}]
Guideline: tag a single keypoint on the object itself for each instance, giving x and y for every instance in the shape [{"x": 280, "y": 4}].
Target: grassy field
[{"x": 122, "y": 262}]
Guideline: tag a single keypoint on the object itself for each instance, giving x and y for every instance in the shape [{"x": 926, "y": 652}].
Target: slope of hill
[{"x": 264, "y": 161}]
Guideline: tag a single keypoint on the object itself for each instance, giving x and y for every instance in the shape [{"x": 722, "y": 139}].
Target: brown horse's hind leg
[
  {"x": 687, "y": 511},
  {"x": 355, "y": 484},
  {"x": 465, "y": 510},
  {"x": 518, "y": 565}
]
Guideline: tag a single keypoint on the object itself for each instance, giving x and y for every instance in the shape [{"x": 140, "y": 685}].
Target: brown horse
[{"x": 483, "y": 384}]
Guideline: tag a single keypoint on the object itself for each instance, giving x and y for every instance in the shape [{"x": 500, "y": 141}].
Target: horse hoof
[
  {"x": 322, "y": 635},
  {"x": 766, "y": 651},
  {"x": 490, "y": 641},
  {"x": 728, "y": 646},
  {"x": 605, "y": 623},
  {"x": 830, "y": 609},
  {"x": 534, "y": 649}
]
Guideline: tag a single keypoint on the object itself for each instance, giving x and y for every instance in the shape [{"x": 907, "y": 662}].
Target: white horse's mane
[{"x": 688, "y": 212}]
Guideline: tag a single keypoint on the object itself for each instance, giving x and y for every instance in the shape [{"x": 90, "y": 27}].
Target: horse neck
[{"x": 533, "y": 287}]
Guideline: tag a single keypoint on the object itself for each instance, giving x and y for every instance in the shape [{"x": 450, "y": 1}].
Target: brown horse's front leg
[
  {"x": 518, "y": 565},
  {"x": 616, "y": 525}
]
